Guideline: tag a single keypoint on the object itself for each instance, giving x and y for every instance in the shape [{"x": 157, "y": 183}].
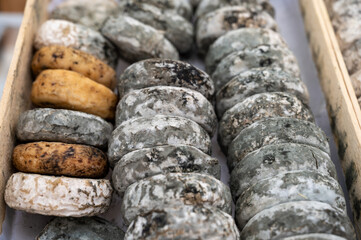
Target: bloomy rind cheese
[
  {"x": 207, "y": 6},
  {"x": 65, "y": 33},
  {"x": 54, "y": 158},
  {"x": 171, "y": 101},
  {"x": 279, "y": 221},
  {"x": 240, "y": 39},
  {"x": 164, "y": 72},
  {"x": 274, "y": 159},
  {"x": 258, "y": 107},
  {"x": 61, "y": 57},
  {"x": 315, "y": 236},
  {"x": 85, "y": 228},
  {"x": 275, "y": 131},
  {"x": 73, "y": 91},
  {"x": 215, "y": 24},
  {"x": 183, "y": 188},
  {"x": 148, "y": 162},
  {"x": 177, "y": 29},
  {"x": 259, "y": 80},
  {"x": 155, "y": 131},
  {"x": 88, "y": 13},
  {"x": 137, "y": 41},
  {"x": 58, "y": 196},
  {"x": 183, "y": 222},
  {"x": 261, "y": 56},
  {"x": 59, "y": 125},
  {"x": 288, "y": 187}
]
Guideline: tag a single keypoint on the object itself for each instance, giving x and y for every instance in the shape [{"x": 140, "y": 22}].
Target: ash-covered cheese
[
  {"x": 180, "y": 7},
  {"x": 160, "y": 130},
  {"x": 58, "y": 196},
  {"x": 59, "y": 125},
  {"x": 88, "y": 13},
  {"x": 274, "y": 159},
  {"x": 137, "y": 41},
  {"x": 215, "y": 24},
  {"x": 261, "y": 56},
  {"x": 145, "y": 195},
  {"x": 85, "y": 228},
  {"x": 315, "y": 236},
  {"x": 259, "y": 80},
  {"x": 276, "y": 131},
  {"x": 258, "y": 107},
  {"x": 65, "y": 33},
  {"x": 240, "y": 39},
  {"x": 171, "y": 101},
  {"x": 162, "y": 72},
  {"x": 298, "y": 218},
  {"x": 183, "y": 222},
  {"x": 177, "y": 29},
  {"x": 148, "y": 162},
  {"x": 207, "y": 6},
  {"x": 289, "y": 187}
]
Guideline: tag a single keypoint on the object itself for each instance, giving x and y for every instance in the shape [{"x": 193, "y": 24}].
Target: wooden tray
[
  {"x": 343, "y": 108},
  {"x": 16, "y": 94}
]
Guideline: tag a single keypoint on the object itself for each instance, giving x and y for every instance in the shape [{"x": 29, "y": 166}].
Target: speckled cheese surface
[
  {"x": 183, "y": 188},
  {"x": 161, "y": 72},
  {"x": 172, "y": 101},
  {"x": 315, "y": 236},
  {"x": 217, "y": 23},
  {"x": 258, "y": 107},
  {"x": 183, "y": 222},
  {"x": 275, "y": 131},
  {"x": 59, "y": 125},
  {"x": 148, "y": 162},
  {"x": 155, "y": 131},
  {"x": 137, "y": 41},
  {"x": 85, "y": 228},
  {"x": 65, "y": 33},
  {"x": 289, "y": 187},
  {"x": 58, "y": 196}
]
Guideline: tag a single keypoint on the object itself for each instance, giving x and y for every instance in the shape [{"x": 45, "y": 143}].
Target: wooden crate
[
  {"x": 343, "y": 108},
  {"x": 16, "y": 93}
]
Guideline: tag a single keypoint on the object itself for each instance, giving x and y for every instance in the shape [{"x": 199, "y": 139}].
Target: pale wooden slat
[
  {"x": 342, "y": 104},
  {"x": 16, "y": 93}
]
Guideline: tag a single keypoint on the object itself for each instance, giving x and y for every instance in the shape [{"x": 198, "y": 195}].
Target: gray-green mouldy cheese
[
  {"x": 180, "y": 7},
  {"x": 207, "y": 6},
  {"x": 259, "y": 80},
  {"x": 240, "y": 39},
  {"x": 276, "y": 131},
  {"x": 58, "y": 125},
  {"x": 162, "y": 72},
  {"x": 178, "y": 30},
  {"x": 217, "y": 23},
  {"x": 315, "y": 236},
  {"x": 86, "y": 228},
  {"x": 289, "y": 187},
  {"x": 88, "y": 13},
  {"x": 145, "y": 195},
  {"x": 261, "y": 56},
  {"x": 137, "y": 41},
  {"x": 258, "y": 107},
  {"x": 171, "y": 101},
  {"x": 148, "y": 162},
  {"x": 274, "y": 159},
  {"x": 183, "y": 222},
  {"x": 298, "y": 218},
  {"x": 68, "y": 34},
  {"x": 160, "y": 130}
]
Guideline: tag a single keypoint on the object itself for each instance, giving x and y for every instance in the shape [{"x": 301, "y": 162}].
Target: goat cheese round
[{"x": 58, "y": 196}]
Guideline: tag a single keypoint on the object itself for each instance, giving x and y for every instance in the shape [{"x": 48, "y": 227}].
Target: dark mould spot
[
  {"x": 269, "y": 159},
  {"x": 350, "y": 175}
]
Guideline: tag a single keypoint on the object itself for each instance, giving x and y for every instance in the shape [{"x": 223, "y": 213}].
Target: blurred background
[{"x": 11, "y": 14}]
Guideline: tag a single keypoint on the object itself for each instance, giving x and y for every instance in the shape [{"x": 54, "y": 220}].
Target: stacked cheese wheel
[
  {"x": 346, "y": 22},
  {"x": 282, "y": 178},
  {"x": 160, "y": 154}
]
